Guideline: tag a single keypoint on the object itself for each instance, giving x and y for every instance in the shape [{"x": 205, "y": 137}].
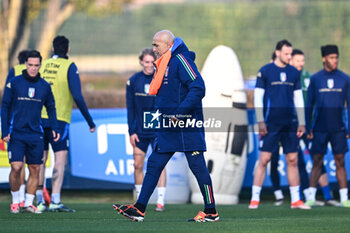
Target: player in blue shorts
[
  {"x": 24, "y": 97},
  {"x": 179, "y": 89},
  {"x": 328, "y": 92},
  {"x": 298, "y": 61},
  {"x": 277, "y": 99},
  {"x": 138, "y": 101},
  {"x": 63, "y": 76}
]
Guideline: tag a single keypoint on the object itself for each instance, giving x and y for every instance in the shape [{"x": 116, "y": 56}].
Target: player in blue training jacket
[
  {"x": 328, "y": 92},
  {"x": 277, "y": 97},
  {"x": 298, "y": 61},
  {"x": 23, "y": 100},
  {"x": 138, "y": 101},
  {"x": 179, "y": 89}
]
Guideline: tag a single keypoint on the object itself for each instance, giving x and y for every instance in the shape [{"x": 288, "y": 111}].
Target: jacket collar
[{"x": 29, "y": 78}]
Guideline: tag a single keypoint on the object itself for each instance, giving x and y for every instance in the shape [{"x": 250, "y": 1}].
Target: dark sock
[
  {"x": 140, "y": 207},
  {"x": 210, "y": 211}
]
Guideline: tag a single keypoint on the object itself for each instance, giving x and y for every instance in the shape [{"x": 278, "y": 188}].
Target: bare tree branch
[
  {"x": 54, "y": 18},
  {"x": 13, "y": 21},
  {"x": 17, "y": 15},
  {"x": 4, "y": 41}
]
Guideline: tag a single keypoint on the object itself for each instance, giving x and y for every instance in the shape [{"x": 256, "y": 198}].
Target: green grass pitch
[{"x": 234, "y": 218}]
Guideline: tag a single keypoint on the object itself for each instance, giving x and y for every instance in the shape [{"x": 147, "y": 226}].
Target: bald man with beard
[{"x": 179, "y": 90}]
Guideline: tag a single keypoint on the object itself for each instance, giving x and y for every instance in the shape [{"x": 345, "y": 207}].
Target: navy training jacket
[
  {"x": 138, "y": 101},
  {"x": 24, "y": 97},
  {"x": 326, "y": 97},
  {"x": 181, "y": 95}
]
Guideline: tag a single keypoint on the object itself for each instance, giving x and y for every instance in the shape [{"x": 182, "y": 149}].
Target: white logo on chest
[
  {"x": 330, "y": 83},
  {"x": 146, "y": 88},
  {"x": 31, "y": 92},
  {"x": 283, "y": 76}
]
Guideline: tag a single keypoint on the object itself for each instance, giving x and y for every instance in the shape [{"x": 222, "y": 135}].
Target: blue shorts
[
  {"x": 32, "y": 149},
  {"x": 286, "y": 134},
  {"x": 144, "y": 143},
  {"x": 320, "y": 141},
  {"x": 63, "y": 143}
]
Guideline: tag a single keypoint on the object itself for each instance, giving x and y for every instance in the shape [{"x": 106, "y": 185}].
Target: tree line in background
[
  {"x": 16, "y": 17},
  {"x": 251, "y": 28}
]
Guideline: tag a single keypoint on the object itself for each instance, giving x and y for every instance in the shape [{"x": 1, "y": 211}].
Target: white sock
[
  {"x": 39, "y": 196},
  {"x": 15, "y": 197},
  {"x": 161, "y": 195},
  {"x": 22, "y": 191},
  {"x": 256, "y": 193},
  {"x": 138, "y": 190},
  {"x": 278, "y": 194},
  {"x": 56, "y": 198},
  {"x": 343, "y": 193},
  {"x": 306, "y": 194},
  {"x": 312, "y": 194},
  {"x": 294, "y": 193},
  {"x": 29, "y": 199}
]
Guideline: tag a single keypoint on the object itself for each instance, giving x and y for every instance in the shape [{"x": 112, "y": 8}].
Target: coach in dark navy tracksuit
[
  {"x": 327, "y": 94},
  {"x": 179, "y": 89},
  {"x": 26, "y": 95}
]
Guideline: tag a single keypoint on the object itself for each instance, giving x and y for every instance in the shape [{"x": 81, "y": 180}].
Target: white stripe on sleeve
[
  {"x": 259, "y": 103},
  {"x": 299, "y": 106}
]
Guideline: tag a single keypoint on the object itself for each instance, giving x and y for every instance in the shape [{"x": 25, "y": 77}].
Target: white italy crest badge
[
  {"x": 330, "y": 83},
  {"x": 283, "y": 76},
  {"x": 146, "y": 88},
  {"x": 31, "y": 92}
]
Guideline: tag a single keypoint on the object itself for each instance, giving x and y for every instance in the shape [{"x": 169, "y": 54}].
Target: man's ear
[{"x": 278, "y": 53}]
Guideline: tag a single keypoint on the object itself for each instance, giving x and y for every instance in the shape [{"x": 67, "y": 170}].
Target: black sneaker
[
  {"x": 130, "y": 211},
  {"x": 203, "y": 217},
  {"x": 59, "y": 208}
]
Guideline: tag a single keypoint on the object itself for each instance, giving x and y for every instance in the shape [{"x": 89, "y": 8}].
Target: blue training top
[
  {"x": 326, "y": 97},
  {"x": 279, "y": 85},
  {"x": 10, "y": 75},
  {"x": 24, "y": 97},
  {"x": 139, "y": 101}
]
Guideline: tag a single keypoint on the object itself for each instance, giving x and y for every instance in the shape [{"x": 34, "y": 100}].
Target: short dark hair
[
  {"x": 273, "y": 56},
  {"x": 60, "y": 45},
  {"x": 297, "y": 52},
  {"x": 329, "y": 49},
  {"x": 22, "y": 56},
  {"x": 34, "y": 54},
  {"x": 147, "y": 51},
  {"x": 282, "y": 43}
]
